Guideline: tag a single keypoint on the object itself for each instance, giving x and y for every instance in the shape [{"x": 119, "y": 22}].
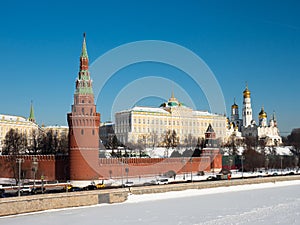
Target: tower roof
[
  {"x": 84, "y": 82},
  {"x": 246, "y": 92},
  {"x": 234, "y": 106},
  {"x": 31, "y": 114},
  {"x": 84, "y": 53},
  {"x": 262, "y": 113},
  {"x": 210, "y": 129}
]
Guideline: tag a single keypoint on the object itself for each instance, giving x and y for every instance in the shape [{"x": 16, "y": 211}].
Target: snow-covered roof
[
  {"x": 145, "y": 109},
  {"x": 203, "y": 113},
  {"x": 56, "y": 127},
  {"x": 12, "y": 118}
]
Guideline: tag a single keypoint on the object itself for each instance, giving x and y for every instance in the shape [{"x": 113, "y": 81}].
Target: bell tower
[
  {"x": 83, "y": 124},
  {"x": 247, "y": 109}
]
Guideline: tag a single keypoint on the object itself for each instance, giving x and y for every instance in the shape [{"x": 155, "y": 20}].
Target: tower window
[
  {"x": 82, "y": 110},
  {"x": 93, "y": 132},
  {"x": 82, "y": 131},
  {"x": 82, "y": 101}
]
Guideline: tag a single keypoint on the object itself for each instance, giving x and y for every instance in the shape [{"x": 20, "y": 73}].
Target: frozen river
[{"x": 273, "y": 204}]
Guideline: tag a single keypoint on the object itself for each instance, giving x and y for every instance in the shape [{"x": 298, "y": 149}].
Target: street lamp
[
  {"x": 281, "y": 158},
  {"x": 183, "y": 161},
  {"x": 267, "y": 163},
  {"x": 242, "y": 160},
  {"x": 127, "y": 171},
  {"x": 34, "y": 169},
  {"x": 122, "y": 164},
  {"x": 296, "y": 162},
  {"x": 230, "y": 163},
  {"x": 191, "y": 161},
  {"x": 19, "y": 179}
]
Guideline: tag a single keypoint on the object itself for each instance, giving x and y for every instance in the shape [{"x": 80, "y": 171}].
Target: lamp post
[
  {"x": 110, "y": 173},
  {"x": 121, "y": 162},
  {"x": 191, "y": 161},
  {"x": 183, "y": 161},
  {"x": 296, "y": 162},
  {"x": 127, "y": 171},
  {"x": 281, "y": 158},
  {"x": 34, "y": 169},
  {"x": 242, "y": 160},
  {"x": 19, "y": 178},
  {"x": 230, "y": 163},
  {"x": 267, "y": 164}
]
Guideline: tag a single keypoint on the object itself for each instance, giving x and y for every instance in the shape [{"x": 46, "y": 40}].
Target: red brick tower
[{"x": 84, "y": 124}]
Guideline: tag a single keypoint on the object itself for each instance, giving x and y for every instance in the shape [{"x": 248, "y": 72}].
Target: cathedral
[{"x": 246, "y": 126}]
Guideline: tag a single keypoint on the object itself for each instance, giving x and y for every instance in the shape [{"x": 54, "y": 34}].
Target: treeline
[{"x": 37, "y": 143}]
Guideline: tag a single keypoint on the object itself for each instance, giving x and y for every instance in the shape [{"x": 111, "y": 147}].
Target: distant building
[
  {"x": 149, "y": 124},
  {"x": 106, "y": 132},
  {"x": 59, "y": 131},
  {"x": 21, "y": 124},
  {"x": 247, "y": 126}
]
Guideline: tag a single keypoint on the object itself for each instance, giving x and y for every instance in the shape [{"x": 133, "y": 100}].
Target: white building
[
  {"x": 18, "y": 123},
  {"x": 268, "y": 132},
  {"x": 149, "y": 124}
]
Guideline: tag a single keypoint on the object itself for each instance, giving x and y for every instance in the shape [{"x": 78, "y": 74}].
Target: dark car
[
  {"x": 73, "y": 189},
  {"x": 38, "y": 190},
  {"x": 90, "y": 187}
]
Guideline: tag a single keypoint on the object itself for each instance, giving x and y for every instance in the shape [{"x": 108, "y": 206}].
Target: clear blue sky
[{"x": 253, "y": 41}]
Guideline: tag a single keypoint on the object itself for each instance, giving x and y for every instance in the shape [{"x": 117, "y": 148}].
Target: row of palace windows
[{"x": 165, "y": 122}]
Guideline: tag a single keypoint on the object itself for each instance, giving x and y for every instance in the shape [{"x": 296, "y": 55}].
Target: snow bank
[{"x": 196, "y": 192}]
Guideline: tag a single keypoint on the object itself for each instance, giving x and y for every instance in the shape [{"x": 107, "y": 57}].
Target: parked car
[
  {"x": 90, "y": 187},
  {"x": 162, "y": 181},
  {"x": 25, "y": 190},
  {"x": 73, "y": 189},
  {"x": 99, "y": 186},
  {"x": 128, "y": 184},
  {"x": 38, "y": 190}
]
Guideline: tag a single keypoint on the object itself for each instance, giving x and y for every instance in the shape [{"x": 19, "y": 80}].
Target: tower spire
[
  {"x": 31, "y": 114},
  {"x": 84, "y": 50},
  {"x": 84, "y": 82}
]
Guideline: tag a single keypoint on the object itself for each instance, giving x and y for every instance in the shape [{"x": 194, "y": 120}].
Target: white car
[{"x": 162, "y": 181}]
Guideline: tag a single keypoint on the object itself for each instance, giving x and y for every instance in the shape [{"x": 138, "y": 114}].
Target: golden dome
[
  {"x": 234, "y": 106},
  {"x": 262, "y": 114},
  {"x": 247, "y": 93}
]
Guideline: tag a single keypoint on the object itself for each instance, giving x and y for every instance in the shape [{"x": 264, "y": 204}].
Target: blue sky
[{"x": 253, "y": 41}]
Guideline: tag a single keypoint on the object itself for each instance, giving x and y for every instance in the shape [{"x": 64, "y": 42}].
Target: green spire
[
  {"x": 84, "y": 51},
  {"x": 31, "y": 115},
  {"x": 84, "y": 83}
]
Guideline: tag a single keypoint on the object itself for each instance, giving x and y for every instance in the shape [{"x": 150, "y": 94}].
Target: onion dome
[
  {"x": 247, "y": 93},
  {"x": 234, "y": 106},
  {"x": 262, "y": 114}
]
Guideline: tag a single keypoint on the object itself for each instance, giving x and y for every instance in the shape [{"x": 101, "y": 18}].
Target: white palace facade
[{"x": 150, "y": 124}]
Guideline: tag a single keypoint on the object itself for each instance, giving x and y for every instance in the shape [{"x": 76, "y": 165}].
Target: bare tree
[
  {"x": 153, "y": 139},
  {"x": 15, "y": 143}
]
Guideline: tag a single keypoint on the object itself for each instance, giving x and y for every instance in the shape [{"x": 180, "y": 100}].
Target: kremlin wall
[{"x": 83, "y": 162}]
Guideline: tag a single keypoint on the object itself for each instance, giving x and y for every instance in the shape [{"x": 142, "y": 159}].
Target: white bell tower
[{"x": 247, "y": 109}]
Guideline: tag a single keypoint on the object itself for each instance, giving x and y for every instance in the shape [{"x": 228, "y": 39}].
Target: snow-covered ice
[{"x": 270, "y": 203}]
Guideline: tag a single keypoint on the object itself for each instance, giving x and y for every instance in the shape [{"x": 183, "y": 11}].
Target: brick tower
[{"x": 83, "y": 124}]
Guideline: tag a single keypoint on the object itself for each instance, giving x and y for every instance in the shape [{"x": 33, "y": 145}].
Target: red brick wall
[
  {"x": 57, "y": 168},
  {"x": 51, "y": 167}
]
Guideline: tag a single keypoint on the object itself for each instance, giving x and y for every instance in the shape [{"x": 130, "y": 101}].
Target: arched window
[{"x": 82, "y": 131}]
